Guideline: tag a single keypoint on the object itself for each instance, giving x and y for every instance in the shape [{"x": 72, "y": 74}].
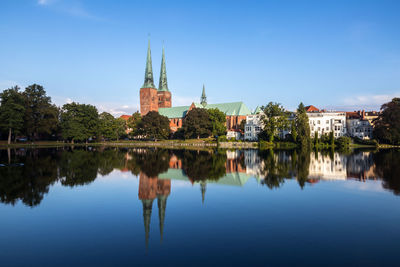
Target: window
[
  {"x": 327, "y": 121},
  {"x": 318, "y": 122},
  {"x": 327, "y": 128}
]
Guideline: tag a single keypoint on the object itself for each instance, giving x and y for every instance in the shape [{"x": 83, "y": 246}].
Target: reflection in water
[{"x": 27, "y": 174}]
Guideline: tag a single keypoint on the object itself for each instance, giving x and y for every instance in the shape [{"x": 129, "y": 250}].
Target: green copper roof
[
  {"x": 233, "y": 178},
  {"x": 148, "y": 73},
  {"x": 163, "y": 85},
  {"x": 230, "y": 109},
  {"x": 257, "y": 110},
  {"x": 203, "y": 98},
  {"x": 174, "y": 112}
]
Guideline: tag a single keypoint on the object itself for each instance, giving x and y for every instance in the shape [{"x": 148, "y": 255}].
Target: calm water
[{"x": 98, "y": 206}]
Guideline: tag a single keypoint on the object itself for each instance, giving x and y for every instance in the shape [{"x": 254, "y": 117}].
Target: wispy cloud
[
  {"x": 369, "y": 101},
  {"x": 71, "y": 7}
]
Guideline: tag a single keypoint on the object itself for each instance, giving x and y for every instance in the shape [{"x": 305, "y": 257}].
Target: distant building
[
  {"x": 153, "y": 99},
  {"x": 359, "y": 124},
  {"x": 254, "y": 125},
  {"x": 324, "y": 122}
]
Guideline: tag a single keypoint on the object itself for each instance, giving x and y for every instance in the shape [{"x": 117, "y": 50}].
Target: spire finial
[
  {"x": 163, "y": 85},
  {"x": 203, "y": 99},
  {"x": 148, "y": 73}
]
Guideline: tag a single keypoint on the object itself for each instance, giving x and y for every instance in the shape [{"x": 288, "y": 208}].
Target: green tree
[
  {"x": 331, "y": 139},
  {"x": 41, "y": 116},
  {"x": 106, "y": 126},
  {"x": 153, "y": 125},
  {"x": 293, "y": 130},
  {"x": 276, "y": 120},
  {"x": 12, "y": 111},
  {"x": 387, "y": 125},
  {"x": 79, "y": 122},
  {"x": 303, "y": 126},
  {"x": 119, "y": 128},
  {"x": 197, "y": 124},
  {"x": 133, "y": 122},
  {"x": 218, "y": 120}
]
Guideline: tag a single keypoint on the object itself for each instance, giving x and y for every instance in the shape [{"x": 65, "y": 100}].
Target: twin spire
[{"x": 148, "y": 73}]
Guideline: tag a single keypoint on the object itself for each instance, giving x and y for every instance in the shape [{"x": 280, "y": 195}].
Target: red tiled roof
[
  {"x": 125, "y": 117},
  {"x": 352, "y": 115},
  {"x": 311, "y": 108}
]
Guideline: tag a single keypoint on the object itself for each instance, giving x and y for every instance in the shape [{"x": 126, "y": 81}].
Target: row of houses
[
  {"x": 355, "y": 124},
  {"x": 159, "y": 99}
]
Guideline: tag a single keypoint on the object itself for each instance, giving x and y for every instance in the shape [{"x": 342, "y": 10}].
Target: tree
[
  {"x": 218, "y": 120},
  {"x": 303, "y": 126},
  {"x": 387, "y": 125},
  {"x": 119, "y": 128},
  {"x": 41, "y": 116},
  {"x": 197, "y": 123},
  {"x": 133, "y": 122},
  {"x": 79, "y": 122},
  {"x": 12, "y": 111},
  {"x": 107, "y": 124},
  {"x": 153, "y": 125},
  {"x": 293, "y": 130},
  {"x": 276, "y": 120}
]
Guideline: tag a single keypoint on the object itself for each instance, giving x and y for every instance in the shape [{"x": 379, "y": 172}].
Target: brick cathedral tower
[
  {"x": 164, "y": 95},
  {"x": 150, "y": 98},
  {"x": 148, "y": 92}
]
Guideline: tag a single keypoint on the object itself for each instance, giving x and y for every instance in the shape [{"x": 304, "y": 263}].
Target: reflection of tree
[
  {"x": 388, "y": 169},
  {"x": 276, "y": 168},
  {"x": 302, "y": 166},
  {"x": 111, "y": 159},
  {"x": 151, "y": 162},
  {"x": 203, "y": 165},
  {"x": 28, "y": 178},
  {"x": 79, "y": 167}
]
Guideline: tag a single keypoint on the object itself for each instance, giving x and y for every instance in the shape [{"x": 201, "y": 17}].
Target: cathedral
[{"x": 160, "y": 100}]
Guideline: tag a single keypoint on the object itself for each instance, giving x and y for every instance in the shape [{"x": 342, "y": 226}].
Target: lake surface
[{"x": 120, "y": 206}]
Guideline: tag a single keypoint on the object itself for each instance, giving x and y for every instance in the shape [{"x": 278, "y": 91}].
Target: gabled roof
[
  {"x": 311, "y": 108},
  {"x": 230, "y": 109},
  {"x": 125, "y": 117},
  {"x": 257, "y": 110},
  {"x": 174, "y": 112}
]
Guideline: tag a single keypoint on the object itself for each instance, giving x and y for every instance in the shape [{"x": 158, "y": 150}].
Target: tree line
[{"x": 31, "y": 113}]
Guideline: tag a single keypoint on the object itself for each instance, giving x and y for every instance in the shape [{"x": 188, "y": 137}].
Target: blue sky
[{"x": 332, "y": 54}]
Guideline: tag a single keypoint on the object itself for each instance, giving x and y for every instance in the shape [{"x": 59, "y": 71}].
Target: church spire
[
  {"x": 203, "y": 99},
  {"x": 203, "y": 186},
  {"x": 163, "y": 85},
  {"x": 162, "y": 204},
  {"x": 148, "y": 73},
  {"x": 147, "y": 207}
]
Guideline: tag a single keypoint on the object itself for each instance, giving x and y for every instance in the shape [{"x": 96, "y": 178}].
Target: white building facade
[
  {"x": 254, "y": 125},
  {"x": 326, "y": 122}
]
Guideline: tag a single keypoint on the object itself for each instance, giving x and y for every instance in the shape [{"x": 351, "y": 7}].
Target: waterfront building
[
  {"x": 324, "y": 122},
  {"x": 160, "y": 100},
  {"x": 254, "y": 125},
  {"x": 358, "y": 125}
]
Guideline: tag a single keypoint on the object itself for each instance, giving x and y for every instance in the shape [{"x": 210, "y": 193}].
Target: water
[{"x": 119, "y": 206}]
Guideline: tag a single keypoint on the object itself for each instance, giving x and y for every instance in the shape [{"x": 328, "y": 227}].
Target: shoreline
[{"x": 186, "y": 144}]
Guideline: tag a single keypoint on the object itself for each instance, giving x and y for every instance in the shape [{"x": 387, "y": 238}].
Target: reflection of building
[
  {"x": 326, "y": 167},
  {"x": 149, "y": 189},
  {"x": 361, "y": 166}
]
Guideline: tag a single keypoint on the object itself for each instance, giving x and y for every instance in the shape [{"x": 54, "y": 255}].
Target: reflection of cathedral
[{"x": 149, "y": 189}]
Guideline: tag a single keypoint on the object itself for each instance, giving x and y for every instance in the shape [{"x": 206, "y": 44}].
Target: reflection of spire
[
  {"x": 203, "y": 186},
  {"x": 162, "y": 205},
  {"x": 147, "y": 207}
]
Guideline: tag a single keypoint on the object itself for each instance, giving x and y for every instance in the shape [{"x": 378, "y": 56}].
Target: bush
[
  {"x": 222, "y": 138},
  {"x": 343, "y": 142}
]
